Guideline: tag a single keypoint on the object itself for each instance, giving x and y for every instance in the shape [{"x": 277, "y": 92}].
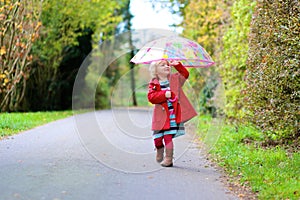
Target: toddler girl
[{"x": 172, "y": 108}]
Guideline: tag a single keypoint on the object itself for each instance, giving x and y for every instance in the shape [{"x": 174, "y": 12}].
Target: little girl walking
[{"x": 172, "y": 108}]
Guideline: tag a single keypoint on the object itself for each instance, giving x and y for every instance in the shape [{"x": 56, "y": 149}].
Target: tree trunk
[{"x": 128, "y": 18}]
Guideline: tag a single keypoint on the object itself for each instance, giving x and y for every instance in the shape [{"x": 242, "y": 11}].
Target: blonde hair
[{"x": 153, "y": 67}]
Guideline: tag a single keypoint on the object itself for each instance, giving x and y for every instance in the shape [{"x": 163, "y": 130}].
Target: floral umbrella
[{"x": 188, "y": 52}]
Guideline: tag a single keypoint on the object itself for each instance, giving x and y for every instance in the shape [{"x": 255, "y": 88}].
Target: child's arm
[
  {"x": 184, "y": 73},
  {"x": 180, "y": 68},
  {"x": 157, "y": 97}
]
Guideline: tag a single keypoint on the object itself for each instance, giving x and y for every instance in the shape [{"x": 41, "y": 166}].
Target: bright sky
[{"x": 145, "y": 17}]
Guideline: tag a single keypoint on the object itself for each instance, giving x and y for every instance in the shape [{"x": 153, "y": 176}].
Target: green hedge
[
  {"x": 273, "y": 84},
  {"x": 234, "y": 57}
]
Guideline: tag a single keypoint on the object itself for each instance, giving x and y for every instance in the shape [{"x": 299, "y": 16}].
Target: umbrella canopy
[{"x": 188, "y": 52}]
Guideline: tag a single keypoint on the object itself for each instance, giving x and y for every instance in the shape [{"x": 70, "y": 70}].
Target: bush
[
  {"x": 234, "y": 57},
  {"x": 273, "y": 87},
  {"x": 204, "y": 22}
]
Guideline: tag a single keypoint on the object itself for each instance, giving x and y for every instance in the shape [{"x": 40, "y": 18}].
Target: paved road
[{"x": 102, "y": 155}]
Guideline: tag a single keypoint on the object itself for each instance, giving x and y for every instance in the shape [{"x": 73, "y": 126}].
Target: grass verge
[
  {"x": 270, "y": 172},
  {"x": 12, "y": 123}
]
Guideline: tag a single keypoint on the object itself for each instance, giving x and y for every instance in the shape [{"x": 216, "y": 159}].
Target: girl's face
[{"x": 163, "y": 69}]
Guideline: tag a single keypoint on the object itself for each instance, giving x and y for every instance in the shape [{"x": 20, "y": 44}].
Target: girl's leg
[
  {"x": 168, "y": 160},
  {"x": 168, "y": 139},
  {"x": 158, "y": 142}
]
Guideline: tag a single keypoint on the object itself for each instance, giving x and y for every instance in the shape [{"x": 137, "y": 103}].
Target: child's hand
[
  {"x": 168, "y": 94},
  {"x": 174, "y": 62}
]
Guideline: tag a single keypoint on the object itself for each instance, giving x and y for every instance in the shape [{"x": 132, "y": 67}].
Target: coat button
[{"x": 163, "y": 108}]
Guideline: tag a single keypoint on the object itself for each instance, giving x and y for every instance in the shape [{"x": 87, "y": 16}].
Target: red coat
[{"x": 184, "y": 110}]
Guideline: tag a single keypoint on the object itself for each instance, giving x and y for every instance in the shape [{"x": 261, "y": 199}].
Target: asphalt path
[{"x": 105, "y": 155}]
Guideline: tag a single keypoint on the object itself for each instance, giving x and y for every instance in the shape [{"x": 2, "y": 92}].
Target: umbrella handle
[{"x": 173, "y": 100}]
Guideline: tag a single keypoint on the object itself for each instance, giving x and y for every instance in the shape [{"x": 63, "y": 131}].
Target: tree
[
  {"x": 67, "y": 25},
  {"x": 128, "y": 18},
  {"x": 205, "y": 22},
  {"x": 19, "y": 29}
]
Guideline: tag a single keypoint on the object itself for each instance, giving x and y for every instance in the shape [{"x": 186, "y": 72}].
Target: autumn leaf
[
  {"x": 3, "y": 50},
  {"x": 20, "y": 27},
  {"x": 2, "y": 16},
  {"x": 39, "y": 24}
]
